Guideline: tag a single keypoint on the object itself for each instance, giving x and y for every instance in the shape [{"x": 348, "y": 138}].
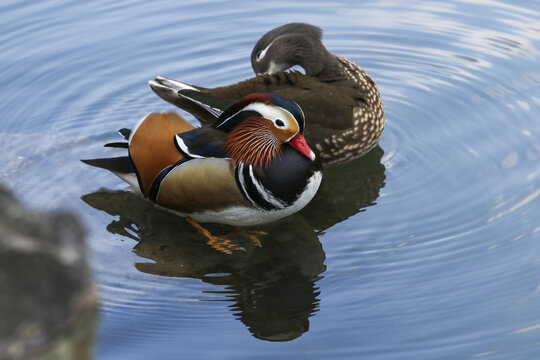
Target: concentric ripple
[{"x": 424, "y": 249}]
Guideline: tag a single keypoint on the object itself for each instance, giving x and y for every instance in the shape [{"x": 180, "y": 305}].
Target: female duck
[{"x": 342, "y": 105}]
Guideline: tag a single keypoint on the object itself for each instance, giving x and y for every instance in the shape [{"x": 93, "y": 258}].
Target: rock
[{"x": 48, "y": 302}]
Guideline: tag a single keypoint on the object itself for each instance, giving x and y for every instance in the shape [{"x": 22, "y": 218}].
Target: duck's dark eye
[
  {"x": 259, "y": 54},
  {"x": 280, "y": 123}
]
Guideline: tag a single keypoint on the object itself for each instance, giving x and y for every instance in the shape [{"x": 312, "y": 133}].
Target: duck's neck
[
  {"x": 331, "y": 69},
  {"x": 313, "y": 59},
  {"x": 324, "y": 65}
]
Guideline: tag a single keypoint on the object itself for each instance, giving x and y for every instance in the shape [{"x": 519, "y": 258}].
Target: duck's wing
[
  {"x": 193, "y": 99},
  {"x": 204, "y": 142},
  {"x": 203, "y": 181}
]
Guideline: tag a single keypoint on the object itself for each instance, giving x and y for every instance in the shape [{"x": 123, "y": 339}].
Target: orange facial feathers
[{"x": 251, "y": 143}]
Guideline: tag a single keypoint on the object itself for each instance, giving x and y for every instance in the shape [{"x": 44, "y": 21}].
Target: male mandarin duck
[
  {"x": 252, "y": 166},
  {"x": 343, "y": 108}
]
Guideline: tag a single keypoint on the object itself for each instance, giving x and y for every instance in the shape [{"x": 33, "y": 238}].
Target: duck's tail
[
  {"x": 151, "y": 149},
  {"x": 193, "y": 99},
  {"x": 120, "y": 166}
]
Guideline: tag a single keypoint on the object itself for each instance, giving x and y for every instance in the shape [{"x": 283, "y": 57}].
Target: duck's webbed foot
[
  {"x": 225, "y": 243},
  {"x": 250, "y": 234}
]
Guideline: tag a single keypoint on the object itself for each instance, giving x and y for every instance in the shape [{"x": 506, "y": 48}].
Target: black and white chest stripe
[{"x": 254, "y": 191}]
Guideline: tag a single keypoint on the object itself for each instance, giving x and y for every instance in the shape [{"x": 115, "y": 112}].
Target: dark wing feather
[
  {"x": 125, "y": 133},
  {"x": 203, "y": 142},
  {"x": 121, "y": 145},
  {"x": 212, "y": 104},
  {"x": 186, "y": 97}
]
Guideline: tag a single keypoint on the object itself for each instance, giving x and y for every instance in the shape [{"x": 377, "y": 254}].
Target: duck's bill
[{"x": 299, "y": 143}]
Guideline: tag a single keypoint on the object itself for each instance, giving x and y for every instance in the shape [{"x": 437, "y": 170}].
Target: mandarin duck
[
  {"x": 252, "y": 166},
  {"x": 342, "y": 105}
]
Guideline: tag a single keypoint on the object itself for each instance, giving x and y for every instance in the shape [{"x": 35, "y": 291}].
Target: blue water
[{"x": 427, "y": 248}]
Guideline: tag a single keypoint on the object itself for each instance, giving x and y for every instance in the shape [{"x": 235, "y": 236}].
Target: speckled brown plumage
[
  {"x": 344, "y": 115},
  {"x": 367, "y": 119}
]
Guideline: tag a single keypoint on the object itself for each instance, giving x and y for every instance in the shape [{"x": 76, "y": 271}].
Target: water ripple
[{"x": 430, "y": 240}]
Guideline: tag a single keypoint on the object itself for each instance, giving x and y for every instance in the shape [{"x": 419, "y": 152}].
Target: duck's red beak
[{"x": 299, "y": 143}]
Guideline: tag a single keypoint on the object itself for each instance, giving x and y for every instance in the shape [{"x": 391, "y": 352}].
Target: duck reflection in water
[{"x": 273, "y": 287}]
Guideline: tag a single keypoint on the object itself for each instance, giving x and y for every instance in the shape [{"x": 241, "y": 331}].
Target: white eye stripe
[
  {"x": 262, "y": 53},
  {"x": 269, "y": 112},
  {"x": 273, "y": 113}
]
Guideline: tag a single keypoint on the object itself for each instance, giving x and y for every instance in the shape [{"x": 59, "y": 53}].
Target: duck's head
[
  {"x": 260, "y": 125},
  {"x": 289, "y": 45}
]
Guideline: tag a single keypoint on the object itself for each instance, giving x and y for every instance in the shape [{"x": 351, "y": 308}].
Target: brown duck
[{"x": 342, "y": 106}]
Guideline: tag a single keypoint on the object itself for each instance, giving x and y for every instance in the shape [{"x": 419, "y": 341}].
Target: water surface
[{"x": 428, "y": 247}]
